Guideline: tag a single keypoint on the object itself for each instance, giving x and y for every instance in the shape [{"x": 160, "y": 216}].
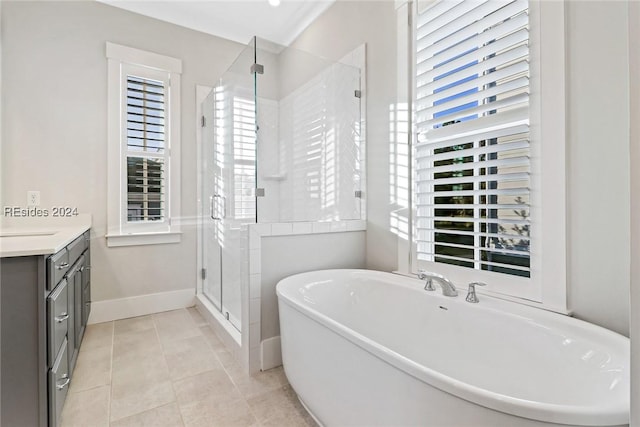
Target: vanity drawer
[
  {"x": 57, "y": 320},
  {"x": 58, "y": 386},
  {"x": 76, "y": 248},
  {"x": 57, "y": 266}
]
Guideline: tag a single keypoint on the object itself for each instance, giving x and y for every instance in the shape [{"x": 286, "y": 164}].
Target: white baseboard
[
  {"x": 270, "y": 353},
  {"x": 123, "y": 308}
]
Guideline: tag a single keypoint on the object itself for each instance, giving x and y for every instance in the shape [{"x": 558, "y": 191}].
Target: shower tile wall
[
  {"x": 268, "y": 160},
  {"x": 310, "y": 150},
  {"x": 320, "y": 148}
]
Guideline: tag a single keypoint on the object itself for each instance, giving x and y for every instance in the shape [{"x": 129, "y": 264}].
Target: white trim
[
  {"x": 113, "y": 147},
  {"x": 405, "y": 81},
  {"x": 270, "y": 353},
  {"x": 131, "y": 55},
  {"x": 141, "y": 305},
  {"x": 547, "y": 287},
  {"x": 137, "y": 239},
  {"x": 119, "y": 59},
  {"x": 549, "y": 17}
]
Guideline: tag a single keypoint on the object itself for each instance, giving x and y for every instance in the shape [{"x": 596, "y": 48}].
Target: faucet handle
[
  {"x": 471, "y": 293},
  {"x": 429, "y": 285},
  {"x": 425, "y": 275}
]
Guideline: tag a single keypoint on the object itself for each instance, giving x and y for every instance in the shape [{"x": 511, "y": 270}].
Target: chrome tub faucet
[{"x": 448, "y": 289}]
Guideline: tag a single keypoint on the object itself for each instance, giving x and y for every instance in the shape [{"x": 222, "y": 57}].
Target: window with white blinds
[
  {"x": 143, "y": 147},
  {"x": 146, "y": 155},
  {"x": 473, "y": 150}
]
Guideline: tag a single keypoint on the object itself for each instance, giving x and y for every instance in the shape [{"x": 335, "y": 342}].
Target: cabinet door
[
  {"x": 58, "y": 386},
  {"x": 78, "y": 293}
]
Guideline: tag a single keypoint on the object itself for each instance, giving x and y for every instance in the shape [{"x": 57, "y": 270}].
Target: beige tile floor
[{"x": 170, "y": 369}]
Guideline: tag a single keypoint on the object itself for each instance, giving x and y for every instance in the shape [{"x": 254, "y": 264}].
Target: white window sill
[{"x": 138, "y": 239}]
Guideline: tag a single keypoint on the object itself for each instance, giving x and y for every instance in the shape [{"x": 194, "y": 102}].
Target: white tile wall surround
[
  {"x": 303, "y": 227},
  {"x": 254, "y": 311},
  {"x": 261, "y": 228},
  {"x": 321, "y": 227},
  {"x": 258, "y": 357},
  {"x": 254, "y": 239},
  {"x": 281, "y": 228},
  {"x": 254, "y": 335},
  {"x": 254, "y": 261},
  {"x": 254, "y": 286},
  {"x": 254, "y": 360},
  {"x": 356, "y": 225},
  {"x": 338, "y": 226}
]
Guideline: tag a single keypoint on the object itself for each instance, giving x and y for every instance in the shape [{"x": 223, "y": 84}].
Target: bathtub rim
[{"x": 611, "y": 415}]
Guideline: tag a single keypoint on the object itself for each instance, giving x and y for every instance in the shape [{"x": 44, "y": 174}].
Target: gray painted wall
[
  {"x": 54, "y": 125},
  {"x": 282, "y": 256},
  {"x": 598, "y": 162}
]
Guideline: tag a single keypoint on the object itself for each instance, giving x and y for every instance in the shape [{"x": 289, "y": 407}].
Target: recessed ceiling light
[{"x": 274, "y": 3}]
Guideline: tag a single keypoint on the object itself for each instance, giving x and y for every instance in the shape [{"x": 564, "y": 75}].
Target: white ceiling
[{"x": 237, "y": 20}]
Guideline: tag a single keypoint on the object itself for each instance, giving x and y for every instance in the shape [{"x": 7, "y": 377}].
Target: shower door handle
[{"x": 224, "y": 207}]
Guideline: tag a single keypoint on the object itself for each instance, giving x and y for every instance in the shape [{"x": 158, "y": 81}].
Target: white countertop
[{"x": 26, "y": 238}]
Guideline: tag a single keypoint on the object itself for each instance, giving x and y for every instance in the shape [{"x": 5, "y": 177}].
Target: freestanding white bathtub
[{"x": 365, "y": 348}]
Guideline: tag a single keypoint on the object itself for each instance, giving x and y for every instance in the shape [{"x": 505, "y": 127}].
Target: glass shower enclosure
[{"x": 281, "y": 142}]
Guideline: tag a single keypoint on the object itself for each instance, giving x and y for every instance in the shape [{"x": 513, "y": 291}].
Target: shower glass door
[
  {"x": 212, "y": 231},
  {"x": 229, "y": 181}
]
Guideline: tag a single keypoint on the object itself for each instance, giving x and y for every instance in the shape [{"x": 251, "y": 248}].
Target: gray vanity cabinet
[{"x": 45, "y": 305}]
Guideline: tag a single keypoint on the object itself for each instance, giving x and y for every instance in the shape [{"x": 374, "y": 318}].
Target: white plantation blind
[
  {"x": 244, "y": 158},
  {"x": 146, "y": 153},
  {"x": 472, "y": 152}
]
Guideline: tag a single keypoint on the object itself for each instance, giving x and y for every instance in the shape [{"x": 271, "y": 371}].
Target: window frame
[
  {"x": 123, "y": 61},
  {"x": 547, "y": 286}
]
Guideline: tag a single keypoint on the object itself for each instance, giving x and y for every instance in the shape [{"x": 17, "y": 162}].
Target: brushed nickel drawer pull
[
  {"x": 66, "y": 379},
  {"x": 62, "y": 266},
  {"x": 62, "y": 317}
]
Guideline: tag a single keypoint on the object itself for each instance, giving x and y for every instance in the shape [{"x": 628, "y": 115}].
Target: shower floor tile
[{"x": 170, "y": 369}]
